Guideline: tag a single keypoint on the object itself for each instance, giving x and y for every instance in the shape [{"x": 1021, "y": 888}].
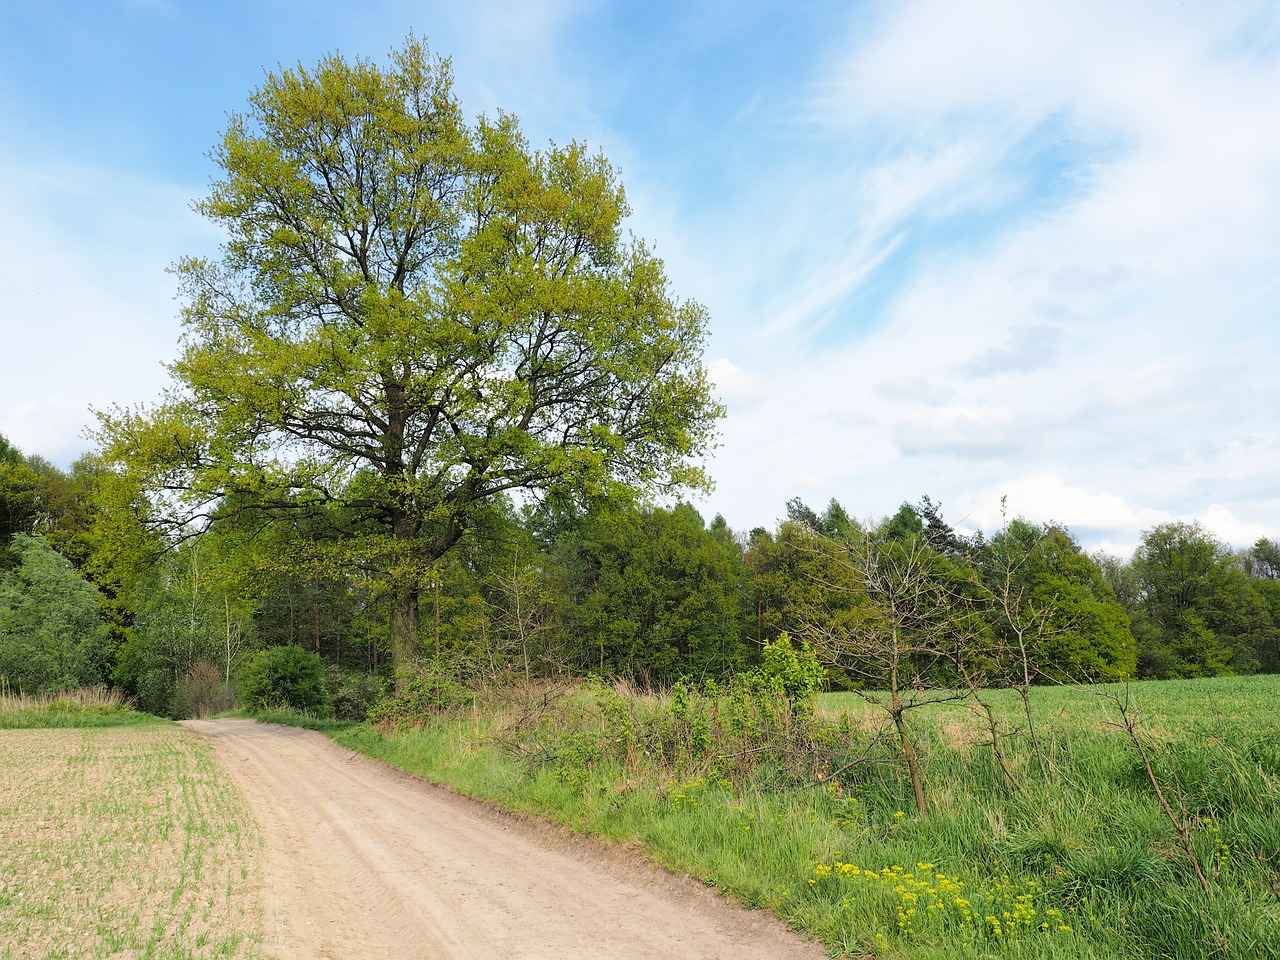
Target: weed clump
[
  {"x": 927, "y": 905},
  {"x": 427, "y": 690}
]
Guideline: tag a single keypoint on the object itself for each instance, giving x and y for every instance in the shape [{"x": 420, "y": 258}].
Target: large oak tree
[{"x": 413, "y": 314}]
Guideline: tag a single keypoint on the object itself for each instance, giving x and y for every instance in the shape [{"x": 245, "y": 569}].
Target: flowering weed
[{"x": 926, "y": 904}]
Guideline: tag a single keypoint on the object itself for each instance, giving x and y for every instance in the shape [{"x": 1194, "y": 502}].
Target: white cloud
[
  {"x": 814, "y": 295},
  {"x": 1235, "y": 530},
  {"x": 1120, "y": 549},
  {"x": 1029, "y": 347},
  {"x": 1044, "y": 497},
  {"x": 967, "y": 433},
  {"x": 512, "y": 56},
  {"x": 732, "y": 383},
  {"x": 908, "y": 388},
  {"x": 46, "y": 425}
]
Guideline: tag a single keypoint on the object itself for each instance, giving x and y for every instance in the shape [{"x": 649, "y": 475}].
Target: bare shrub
[{"x": 202, "y": 692}]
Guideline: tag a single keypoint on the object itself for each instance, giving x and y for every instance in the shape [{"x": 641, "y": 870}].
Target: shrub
[
  {"x": 354, "y": 693},
  {"x": 284, "y": 677},
  {"x": 796, "y": 672},
  {"x": 52, "y": 635},
  {"x": 201, "y": 692},
  {"x": 745, "y": 730},
  {"x": 426, "y": 689}
]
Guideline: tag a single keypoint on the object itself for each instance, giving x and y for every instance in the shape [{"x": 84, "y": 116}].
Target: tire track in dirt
[{"x": 364, "y": 861}]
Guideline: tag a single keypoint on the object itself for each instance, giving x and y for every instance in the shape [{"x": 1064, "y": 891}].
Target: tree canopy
[
  {"x": 1201, "y": 615},
  {"x": 52, "y": 635},
  {"x": 411, "y": 315},
  {"x": 1055, "y": 604},
  {"x": 654, "y": 595}
]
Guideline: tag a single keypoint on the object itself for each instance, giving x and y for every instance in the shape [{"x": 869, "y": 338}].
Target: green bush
[
  {"x": 428, "y": 688},
  {"x": 796, "y": 672},
  {"x": 354, "y": 693},
  {"x": 52, "y": 635},
  {"x": 284, "y": 677}
]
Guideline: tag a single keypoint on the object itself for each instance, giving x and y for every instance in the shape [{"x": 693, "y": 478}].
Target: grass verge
[{"x": 90, "y": 707}]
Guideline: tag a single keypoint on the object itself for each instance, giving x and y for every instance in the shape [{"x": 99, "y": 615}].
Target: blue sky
[{"x": 963, "y": 249}]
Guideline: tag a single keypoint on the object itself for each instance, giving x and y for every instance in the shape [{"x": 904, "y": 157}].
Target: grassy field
[
  {"x": 1169, "y": 708},
  {"x": 119, "y": 839},
  {"x": 1081, "y": 861}
]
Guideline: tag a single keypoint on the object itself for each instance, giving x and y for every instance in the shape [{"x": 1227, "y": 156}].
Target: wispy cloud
[
  {"x": 1029, "y": 347},
  {"x": 956, "y": 249},
  {"x": 1104, "y": 234}
]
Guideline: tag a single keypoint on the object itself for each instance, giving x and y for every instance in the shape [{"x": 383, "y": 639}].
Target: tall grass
[
  {"x": 88, "y": 707},
  {"x": 811, "y": 816}
]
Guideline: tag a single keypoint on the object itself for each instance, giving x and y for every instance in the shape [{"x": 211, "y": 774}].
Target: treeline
[{"x": 90, "y": 595}]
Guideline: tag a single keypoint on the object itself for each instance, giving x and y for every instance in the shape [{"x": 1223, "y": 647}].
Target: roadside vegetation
[
  {"x": 85, "y": 707},
  {"x": 119, "y": 836},
  {"x": 1150, "y": 832}
]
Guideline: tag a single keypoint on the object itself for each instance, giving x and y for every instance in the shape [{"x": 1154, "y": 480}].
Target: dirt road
[{"x": 366, "y": 862}]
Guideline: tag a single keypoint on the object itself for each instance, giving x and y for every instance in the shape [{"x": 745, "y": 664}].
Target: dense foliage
[
  {"x": 613, "y": 589},
  {"x": 1201, "y": 613},
  {"x": 652, "y": 594},
  {"x": 283, "y": 677},
  {"x": 52, "y": 634}
]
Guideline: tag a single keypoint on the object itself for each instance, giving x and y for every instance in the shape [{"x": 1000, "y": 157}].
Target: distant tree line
[{"x": 612, "y": 588}]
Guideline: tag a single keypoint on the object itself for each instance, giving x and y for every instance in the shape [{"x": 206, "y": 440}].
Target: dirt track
[{"x": 366, "y": 862}]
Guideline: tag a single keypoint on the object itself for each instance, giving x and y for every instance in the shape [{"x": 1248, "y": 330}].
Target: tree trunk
[
  {"x": 406, "y": 616},
  {"x": 406, "y": 637},
  {"x": 913, "y": 763}
]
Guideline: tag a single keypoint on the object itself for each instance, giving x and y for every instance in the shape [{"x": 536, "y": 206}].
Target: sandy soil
[{"x": 364, "y": 861}]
